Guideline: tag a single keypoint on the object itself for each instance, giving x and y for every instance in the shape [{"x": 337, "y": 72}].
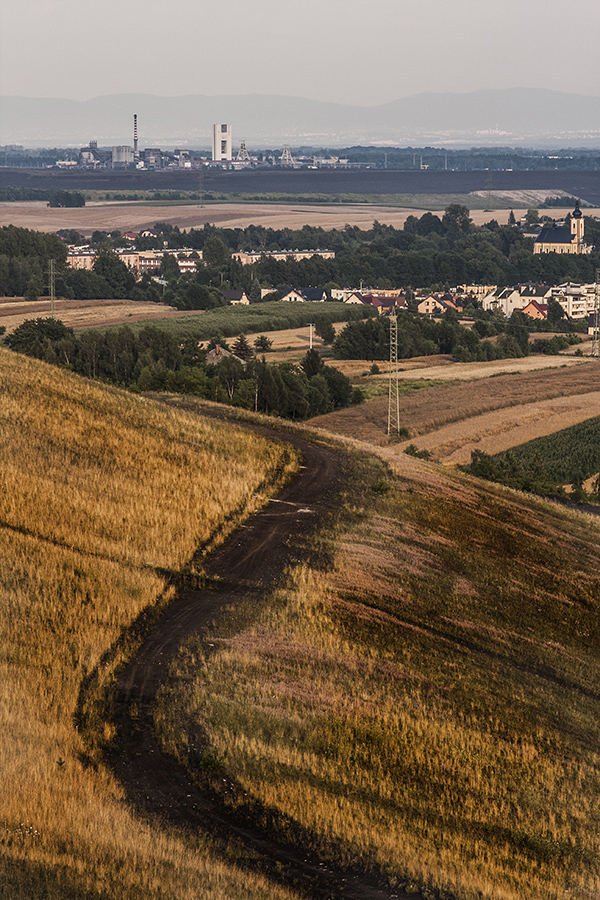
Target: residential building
[
  {"x": 507, "y": 299},
  {"x": 430, "y": 306},
  {"x": 306, "y": 295},
  {"x": 247, "y": 258},
  {"x": 536, "y": 310},
  {"x": 577, "y": 300},
  {"x": 236, "y": 298}
]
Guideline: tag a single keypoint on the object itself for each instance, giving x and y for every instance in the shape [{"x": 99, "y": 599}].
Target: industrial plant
[{"x": 125, "y": 156}]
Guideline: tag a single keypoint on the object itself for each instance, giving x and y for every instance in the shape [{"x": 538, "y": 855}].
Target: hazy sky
[{"x": 348, "y": 51}]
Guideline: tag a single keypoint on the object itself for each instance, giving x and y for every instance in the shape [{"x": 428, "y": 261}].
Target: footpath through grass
[
  {"x": 427, "y": 706},
  {"x": 103, "y": 497}
]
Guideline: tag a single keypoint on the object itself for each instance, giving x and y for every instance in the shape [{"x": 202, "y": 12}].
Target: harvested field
[
  {"x": 135, "y": 216},
  {"x": 496, "y": 431},
  {"x": 85, "y": 313},
  {"x": 528, "y": 399},
  {"x": 442, "y": 367}
]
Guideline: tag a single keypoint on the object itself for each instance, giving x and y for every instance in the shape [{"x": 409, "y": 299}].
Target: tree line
[
  {"x": 429, "y": 252},
  {"x": 490, "y": 337},
  {"x": 152, "y": 359}
]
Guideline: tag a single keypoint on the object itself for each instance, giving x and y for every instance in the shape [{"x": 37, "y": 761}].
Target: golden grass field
[
  {"x": 426, "y": 705},
  {"x": 85, "y": 313},
  {"x": 454, "y": 408},
  {"x": 102, "y": 494},
  {"x": 429, "y": 705}
]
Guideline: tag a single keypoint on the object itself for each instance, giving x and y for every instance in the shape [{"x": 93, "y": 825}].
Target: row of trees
[
  {"x": 430, "y": 252},
  {"x": 154, "y": 360},
  {"x": 419, "y": 336}
]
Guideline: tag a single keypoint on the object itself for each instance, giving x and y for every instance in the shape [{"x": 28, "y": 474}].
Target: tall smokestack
[{"x": 135, "y": 137}]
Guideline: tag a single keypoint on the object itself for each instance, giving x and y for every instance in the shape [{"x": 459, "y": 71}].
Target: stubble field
[
  {"x": 123, "y": 216},
  {"x": 454, "y": 408}
]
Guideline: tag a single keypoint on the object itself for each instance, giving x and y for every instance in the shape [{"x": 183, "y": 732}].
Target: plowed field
[{"x": 487, "y": 413}]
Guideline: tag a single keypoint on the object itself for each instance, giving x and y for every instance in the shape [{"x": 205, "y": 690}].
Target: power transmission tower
[
  {"x": 596, "y": 319},
  {"x": 394, "y": 387},
  {"x": 51, "y": 285}
]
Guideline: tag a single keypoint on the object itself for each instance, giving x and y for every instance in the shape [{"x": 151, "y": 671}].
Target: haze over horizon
[{"x": 346, "y": 51}]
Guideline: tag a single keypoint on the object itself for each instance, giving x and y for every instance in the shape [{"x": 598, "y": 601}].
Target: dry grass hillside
[
  {"x": 428, "y": 706},
  {"x": 102, "y": 497},
  {"x": 423, "y": 702}
]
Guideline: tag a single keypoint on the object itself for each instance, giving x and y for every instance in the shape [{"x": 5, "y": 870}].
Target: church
[{"x": 566, "y": 238}]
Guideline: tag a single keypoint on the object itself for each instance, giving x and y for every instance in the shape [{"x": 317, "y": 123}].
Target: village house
[
  {"x": 508, "y": 299},
  {"x": 536, "y": 310},
  {"x": 430, "y": 306},
  {"x": 306, "y": 295},
  {"x": 236, "y": 298}
]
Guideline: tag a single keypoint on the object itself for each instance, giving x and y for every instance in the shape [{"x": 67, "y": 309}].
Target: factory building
[{"x": 221, "y": 143}]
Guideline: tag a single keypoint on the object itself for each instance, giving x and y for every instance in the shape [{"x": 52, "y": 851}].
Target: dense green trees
[
  {"x": 430, "y": 252},
  {"x": 419, "y": 336},
  {"x": 119, "y": 278},
  {"x": 152, "y": 359}
]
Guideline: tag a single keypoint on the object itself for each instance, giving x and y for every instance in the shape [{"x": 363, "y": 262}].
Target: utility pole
[
  {"x": 596, "y": 320},
  {"x": 393, "y": 386},
  {"x": 311, "y": 325},
  {"x": 51, "y": 285}
]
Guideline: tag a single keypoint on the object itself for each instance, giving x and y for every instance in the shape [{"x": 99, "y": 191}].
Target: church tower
[{"x": 577, "y": 228}]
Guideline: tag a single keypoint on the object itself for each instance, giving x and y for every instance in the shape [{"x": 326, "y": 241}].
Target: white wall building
[
  {"x": 122, "y": 156},
  {"x": 221, "y": 143}
]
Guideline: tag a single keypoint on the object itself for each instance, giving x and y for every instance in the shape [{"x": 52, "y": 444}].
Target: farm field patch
[
  {"x": 513, "y": 395},
  {"x": 108, "y": 216},
  {"x": 85, "y": 313}
]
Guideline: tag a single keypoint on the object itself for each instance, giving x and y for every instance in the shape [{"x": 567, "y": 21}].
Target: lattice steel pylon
[
  {"x": 596, "y": 319},
  {"x": 243, "y": 155},
  {"x": 286, "y": 158},
  {"x": 394, "y": 387},
  {"x": 51, "y": 285}
]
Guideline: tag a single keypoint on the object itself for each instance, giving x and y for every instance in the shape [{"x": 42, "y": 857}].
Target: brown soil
[
  {"x": 465, "y": 404},
  {"x": 253, "y": 559}
]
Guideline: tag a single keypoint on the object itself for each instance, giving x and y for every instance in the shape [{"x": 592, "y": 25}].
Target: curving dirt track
[{"x": 252, "y": 560}]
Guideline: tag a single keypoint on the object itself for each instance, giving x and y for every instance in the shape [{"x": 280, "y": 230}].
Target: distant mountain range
[{"x": 513, "y": 117}]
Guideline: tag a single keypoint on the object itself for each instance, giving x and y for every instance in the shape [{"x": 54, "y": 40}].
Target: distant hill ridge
[{"x": 530, "y": 116}]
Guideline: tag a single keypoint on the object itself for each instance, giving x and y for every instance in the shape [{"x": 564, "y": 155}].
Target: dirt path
[{"x": 253, "y": 559}]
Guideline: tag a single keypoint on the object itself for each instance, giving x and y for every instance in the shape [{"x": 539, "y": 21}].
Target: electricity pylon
[
  {"x": 51, "y": 286},
  {"x": 596, "y": 319},
  {"x": 394, "y": 387}
]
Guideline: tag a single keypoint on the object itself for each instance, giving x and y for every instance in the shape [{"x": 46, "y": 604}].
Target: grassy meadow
[
  {"x": 230, "y": 321},
  {"x": 429, "y": 705},
  {"x": 103, "y": 497}
]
